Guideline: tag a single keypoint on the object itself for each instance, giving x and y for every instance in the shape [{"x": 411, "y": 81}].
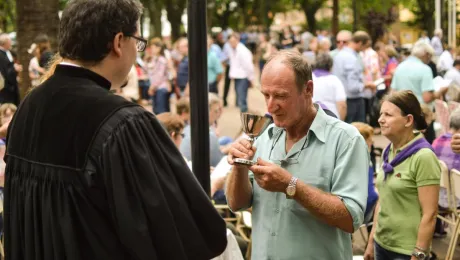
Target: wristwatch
[
  {"x": 419, "y": 254},
  {"x": 291, "y": 188}
]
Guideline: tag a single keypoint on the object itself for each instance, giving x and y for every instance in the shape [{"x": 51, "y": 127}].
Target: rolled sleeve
[
  {"x": 427, "y": 169},
  {"x": 350, "y": 178},
  {"x": 427, "y": 80}
]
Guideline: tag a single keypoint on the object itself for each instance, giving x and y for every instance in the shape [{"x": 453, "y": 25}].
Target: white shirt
[
  {"x": 241, "y": 66},
  {"x": 454, "y": 75},
  {"x": 329, "y": 90},
  {"x": 446, "y": 61}
]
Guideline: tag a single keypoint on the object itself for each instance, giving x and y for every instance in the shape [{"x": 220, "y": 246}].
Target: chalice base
[{"x": 244, "y": 162}]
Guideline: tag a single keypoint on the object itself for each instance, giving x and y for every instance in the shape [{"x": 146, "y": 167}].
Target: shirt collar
[
  {"x": 413, "y": 58},
  {"x": 418, "y": 135},
  {"x": 318, "y": 127}
]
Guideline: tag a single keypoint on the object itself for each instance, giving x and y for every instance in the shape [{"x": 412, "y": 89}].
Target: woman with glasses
[{"x": 407, "y": 182}]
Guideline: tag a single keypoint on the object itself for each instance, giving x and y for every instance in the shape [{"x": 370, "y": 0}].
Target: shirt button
[
  {"x": 273, "y": 234},
  {"x": 277, "y": 210}
]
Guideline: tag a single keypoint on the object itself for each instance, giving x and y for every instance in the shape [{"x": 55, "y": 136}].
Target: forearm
[
  {"x": 425, "y": 231},
  {"x": 324, "y": 206},
  {"x": 238, "y": 189}
]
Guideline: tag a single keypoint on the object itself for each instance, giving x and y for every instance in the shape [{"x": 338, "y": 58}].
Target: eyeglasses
[
  {"x": 344, "y": 42},
  {"x": 141, "y": 43},
  {"x": 286, "y": 161}
]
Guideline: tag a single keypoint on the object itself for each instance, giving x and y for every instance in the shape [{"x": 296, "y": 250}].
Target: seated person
[
  {"x": 367, "y": 132},
  {"x": 174, "y": 126},
  {"x": 183, "y": 110},
  {"x": 215, "y": 109},
  {"x": 442, "y": 149}
]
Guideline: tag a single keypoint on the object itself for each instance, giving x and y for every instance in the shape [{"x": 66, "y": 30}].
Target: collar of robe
[{"x": 80, "y": 72}]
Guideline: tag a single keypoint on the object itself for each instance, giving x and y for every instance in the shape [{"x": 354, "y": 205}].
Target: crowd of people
[{"x": 82, "y": 164}]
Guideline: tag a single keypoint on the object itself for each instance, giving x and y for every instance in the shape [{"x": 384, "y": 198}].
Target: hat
[{"x": 32, "y": 48}]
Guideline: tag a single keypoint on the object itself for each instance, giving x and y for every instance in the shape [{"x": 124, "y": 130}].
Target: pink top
[{"x": 157, "y": 69}]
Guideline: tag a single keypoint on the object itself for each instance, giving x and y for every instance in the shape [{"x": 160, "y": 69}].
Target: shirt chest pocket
[{"x": 319, "y": 182}]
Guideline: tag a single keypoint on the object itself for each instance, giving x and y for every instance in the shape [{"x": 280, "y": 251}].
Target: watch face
[{"x": 290, "y": 191}]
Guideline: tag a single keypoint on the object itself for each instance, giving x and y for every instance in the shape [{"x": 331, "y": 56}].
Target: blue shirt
[
  {"x": 214, "y": 148},
  {"x": 214, "y": 67},
  {"x": 332, "y": 157},
  {"x": 349, "y": 68},
  {"x": 412, "y": 74},
  {"x": 182, "y": 72}
]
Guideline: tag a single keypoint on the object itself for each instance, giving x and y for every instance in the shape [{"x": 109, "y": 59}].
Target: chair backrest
[
  {"x": 445, "y": 182},
  {"x": 452, "y": 106},
  {"x": 442, "y": 115},
  {"x": 455, "y": 185}
]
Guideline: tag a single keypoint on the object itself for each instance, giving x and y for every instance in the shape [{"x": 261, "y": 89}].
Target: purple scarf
[
  {"x": 320, "y": 73},
  {"x": 403, "y": 155}
]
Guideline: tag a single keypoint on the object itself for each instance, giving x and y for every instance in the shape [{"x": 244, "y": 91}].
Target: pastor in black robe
[{"x": 90, "y": 175}]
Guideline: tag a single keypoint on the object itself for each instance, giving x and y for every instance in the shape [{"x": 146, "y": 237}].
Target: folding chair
[
  {"x": 244, "y": 228},
  {"x": 442, "y": 115},
  {"x": 229, "y": 216},
  {"x": 450, "y": 212},
  {"x": 455, "y": 184}
]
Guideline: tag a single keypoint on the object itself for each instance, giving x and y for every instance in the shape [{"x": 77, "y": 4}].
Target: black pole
[{"x": 198, "y": 80}]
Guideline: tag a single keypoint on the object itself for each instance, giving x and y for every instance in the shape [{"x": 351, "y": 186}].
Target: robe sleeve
[{"x": 156, "y": 204}]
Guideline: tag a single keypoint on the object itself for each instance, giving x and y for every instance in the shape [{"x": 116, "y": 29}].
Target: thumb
[{"x": 262, "y": 162}]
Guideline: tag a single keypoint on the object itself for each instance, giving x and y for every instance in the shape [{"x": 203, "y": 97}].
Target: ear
[
  {"x": 117, "y": 43},
  {"x": 410, "y": 121},
  {"x": 173, "y": 135},
  {"x": 308, "y": 90}
]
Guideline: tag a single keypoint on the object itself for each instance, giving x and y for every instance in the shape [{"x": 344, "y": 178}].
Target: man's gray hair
[
  {"x": 297, "y": 62},
  {"x": 4, "y": 38},
  {"x": 438, "y": 32},
  {"x": 420, "y": 49},
  {"x": 454, "y": 119},
  {"x": 213, "y": 98},
  {"x": 345, "y": 34},
  {"x": 323, "y": 61}
]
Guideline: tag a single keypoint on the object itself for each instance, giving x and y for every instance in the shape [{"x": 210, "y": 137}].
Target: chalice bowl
[{"x": 253, "y": 126}]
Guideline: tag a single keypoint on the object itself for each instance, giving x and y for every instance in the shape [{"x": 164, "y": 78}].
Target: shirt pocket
[{"x": 318, "y": 182}]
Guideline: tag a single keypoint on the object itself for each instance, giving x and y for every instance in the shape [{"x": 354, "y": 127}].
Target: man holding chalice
[{"x": 305, "y": 176}]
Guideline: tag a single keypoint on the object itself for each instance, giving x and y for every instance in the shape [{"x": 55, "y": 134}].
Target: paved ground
[{"x": 229, "y": 124}]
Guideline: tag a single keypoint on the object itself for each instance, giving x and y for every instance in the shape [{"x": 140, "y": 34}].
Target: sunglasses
[{"x": 344, "y": 42}]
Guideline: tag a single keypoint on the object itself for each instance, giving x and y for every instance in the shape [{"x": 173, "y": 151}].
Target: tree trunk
[
  {"x": 175, "y": 10},
  {"x": 335, "y": 17},
  {"x": 33, "y": 18},
  {"x": 154, "y": 8},
  {"x": 310, "y": 7},
  {"x": 226, "y": 16},
  {"x": 427, "y": 13}
]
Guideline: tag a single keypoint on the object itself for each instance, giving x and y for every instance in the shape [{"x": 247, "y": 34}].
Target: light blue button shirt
[
  {"x": 412, "y": 74},
  {"x": 333, "y": 157},
  {"x": 349, "y": 68}
]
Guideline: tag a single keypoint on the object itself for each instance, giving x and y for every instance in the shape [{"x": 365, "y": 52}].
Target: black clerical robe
[
  {"x": 10, "y": 92},
  {"x": 90, "y": 175}
]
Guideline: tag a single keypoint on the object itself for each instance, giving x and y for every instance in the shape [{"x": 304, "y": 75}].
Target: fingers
[{"x": 240, "y": 149}]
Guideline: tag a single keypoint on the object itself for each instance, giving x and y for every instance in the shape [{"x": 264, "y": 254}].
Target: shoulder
[
  {"x": 425, "y": 156},
  {"x": 338, "y": 128}
]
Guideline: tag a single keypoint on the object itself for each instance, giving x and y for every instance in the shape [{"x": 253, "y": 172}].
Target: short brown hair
[
  {"x": 361, "y": 36},
  {"x": 409, "y": 105},
  {"x": 297, "y": 62},
  {"x": 364, "y": 129},
  {"x": 171, "y": 122},
  {"x": 182, "y": 106}
]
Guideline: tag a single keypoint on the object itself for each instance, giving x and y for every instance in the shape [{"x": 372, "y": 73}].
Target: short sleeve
[
  {"x": 350, "y": 178},
  {"x": 426, "y": 169},
  {"x": 427, "y": 80}
]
